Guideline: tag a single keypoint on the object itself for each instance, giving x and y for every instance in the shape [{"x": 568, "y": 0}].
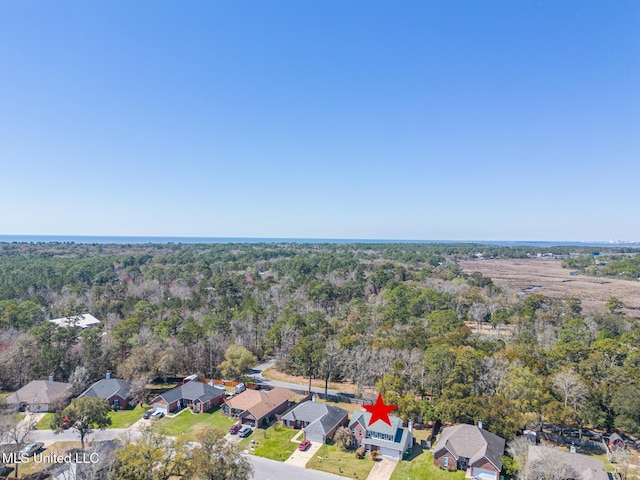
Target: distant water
[{"x": 186, "y": 240}]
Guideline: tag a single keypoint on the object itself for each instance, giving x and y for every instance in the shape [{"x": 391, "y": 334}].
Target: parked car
[
  {"x": 66, "y": 423},
  {"x": 157, "y": 414},
  {"x": 235, "y": 428},
  {"x": 245, "y": 431},
  {"x": 31, "y": 448},
  {"x": 147, "y": 414},
  {"x": 304, "y": 445}
]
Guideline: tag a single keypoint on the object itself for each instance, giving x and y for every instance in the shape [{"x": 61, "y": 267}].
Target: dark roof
[
  {"x": 322, "y": 418},
  {"x": 192, "y": 391},
  {"x": 107, "y": 388},
  {"x": 40, "y": 392},
  {"x": 473, "y": 443}
]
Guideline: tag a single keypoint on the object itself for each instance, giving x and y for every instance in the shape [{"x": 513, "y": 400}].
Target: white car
[
  {"x": 157, "y": 414},
  {"x": 244, "y": 431}
]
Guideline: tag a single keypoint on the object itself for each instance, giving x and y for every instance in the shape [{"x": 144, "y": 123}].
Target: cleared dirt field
[{"x": 554, "y": 281}]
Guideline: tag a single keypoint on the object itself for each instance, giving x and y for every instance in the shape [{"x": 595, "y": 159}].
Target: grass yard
[
  {"x": 4, "y": 395},
  {"x": 45, "y": 423},
  {"x": 187, "y": 424},
  {"x": 274, "y": 442},
  {"x": 419, "y": 466},
  {"x": 126, "y": 417},
  {"x": 332, "y": 459}
]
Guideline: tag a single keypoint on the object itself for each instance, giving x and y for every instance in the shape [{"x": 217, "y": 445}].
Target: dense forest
[
  {"x": 615, "y": 265},
  {"x": 401, "y": 319}
]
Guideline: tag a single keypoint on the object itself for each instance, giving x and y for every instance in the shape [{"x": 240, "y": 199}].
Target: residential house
[
  {"x": 86, "y": 320},
  {"x": 200, "y": 396},
  {"x": 318, "y": 420},
  {"x": 470, "y": 448},
  {"x": 114, "y": 390},
  {"x": 258, "y": 407},
  {"x": 616, "y": 442},
  {"x": 41, "y": 396},
  {"x": 390, "y": 440},
  {"x": 571, "y": 465}
]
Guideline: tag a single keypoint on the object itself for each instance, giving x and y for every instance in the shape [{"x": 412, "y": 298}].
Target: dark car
[
  {"x": 235, "y": 428},
  {"x": 147, "y": 414},
  {"x": 31, "y": 448},
  {"x": 305, "y": 444}
]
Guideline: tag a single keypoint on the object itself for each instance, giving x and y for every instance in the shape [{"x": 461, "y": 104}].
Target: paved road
[
  {"x": 256, "y": 374},
  {"x": 265, "y": 469},
  {"x": 48, "y": 437}
]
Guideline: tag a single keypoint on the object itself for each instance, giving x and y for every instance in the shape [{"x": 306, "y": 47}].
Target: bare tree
[
  {"x": 622, "y": 459},
  {"x": 79, "y": 379},
  {"x": 570, "y": 386}
]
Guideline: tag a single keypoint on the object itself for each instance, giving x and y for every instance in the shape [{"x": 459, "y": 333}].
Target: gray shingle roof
[
  {"x": 584, "y": 467},
  {"x": 322, "y": 418},
  {"x": 192, "y": 391},
  {"x": 40, "y": 392},
  {"x": 107, "y": 388},
  {"x": 473, "y": 443}
]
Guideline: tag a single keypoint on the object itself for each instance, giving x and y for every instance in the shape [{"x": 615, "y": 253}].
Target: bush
[
  {"x": 360, "y": 453},
  {"x": 375, "y": 455}
]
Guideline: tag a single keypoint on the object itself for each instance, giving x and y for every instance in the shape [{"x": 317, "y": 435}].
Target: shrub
[
  {"x": 360, "y": 453},
  {"x": 375, "y": 455}
]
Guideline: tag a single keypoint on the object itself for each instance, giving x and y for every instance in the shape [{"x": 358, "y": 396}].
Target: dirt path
[{"x": 554, "y": 281}]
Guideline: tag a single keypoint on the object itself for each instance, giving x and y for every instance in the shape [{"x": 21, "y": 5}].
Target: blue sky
[{"x": 323, "y": 119}]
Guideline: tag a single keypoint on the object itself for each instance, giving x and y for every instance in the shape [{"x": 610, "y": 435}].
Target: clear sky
[{"x": 512, "y": 120}]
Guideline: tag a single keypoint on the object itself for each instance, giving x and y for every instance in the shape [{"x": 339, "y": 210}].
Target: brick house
[
  {"x": 199, "y": 395},
  {"x": 318, "y": 420},
  {"x": 390, "y": 440},
  {"x": 114, "y": 390},
  {"x": 258, "y": 407},
  {"x": 472, "y": 449}
]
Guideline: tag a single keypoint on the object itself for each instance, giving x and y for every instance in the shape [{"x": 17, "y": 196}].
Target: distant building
[{"x": 86, "y": 320}]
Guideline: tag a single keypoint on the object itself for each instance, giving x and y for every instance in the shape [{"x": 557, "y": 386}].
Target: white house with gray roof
[
  {"x": 472, "y": 449},
  {"x": 199, "y": 395},
  {"x": 319, "y": 421},
  {"x": 41, "y": 396},
  {"x": 390, "y": 440},
  {"x": 114, "y": 390}
]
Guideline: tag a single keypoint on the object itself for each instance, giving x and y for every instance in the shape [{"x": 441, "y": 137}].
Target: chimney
[
  {"x": 480, "y": 424},
  {"x": 108, "y": 375},
  {"x": 51, "y": 377},
  {"x": 410, "y": 426}
]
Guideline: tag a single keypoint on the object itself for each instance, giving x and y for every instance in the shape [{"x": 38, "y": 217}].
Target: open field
[
  {"x": 555, "y": 281},
  {"x": 187, "y": 424}
]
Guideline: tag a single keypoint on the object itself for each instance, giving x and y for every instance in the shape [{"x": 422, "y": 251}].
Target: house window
[{"x": 445, "y": 461}]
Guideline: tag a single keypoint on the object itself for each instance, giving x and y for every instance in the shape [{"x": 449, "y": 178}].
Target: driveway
[
  {"x": 383, "y": 469},
  {"x": 300, "y": 459}
]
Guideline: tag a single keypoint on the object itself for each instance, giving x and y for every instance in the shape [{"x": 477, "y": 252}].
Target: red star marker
[{"x": 379, "y": 411}]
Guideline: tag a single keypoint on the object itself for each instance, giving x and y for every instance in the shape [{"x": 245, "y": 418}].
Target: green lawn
[
  {"x": 274, "y": 442},
  {"x": 332, "y": 459},
  {"x": 419, "y": 466},
  {"x": 127, "y": 417},
  {"x": 45, "y": 423},
  {"x": 187, "y": 424}
]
